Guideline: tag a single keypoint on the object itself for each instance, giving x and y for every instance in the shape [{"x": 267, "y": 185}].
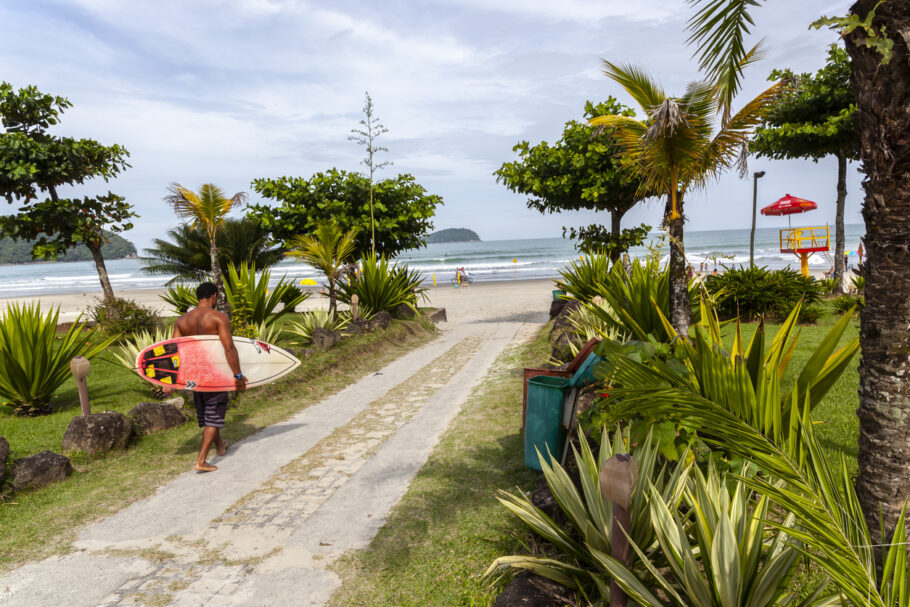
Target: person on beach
[{"x": 211, "y": 407}]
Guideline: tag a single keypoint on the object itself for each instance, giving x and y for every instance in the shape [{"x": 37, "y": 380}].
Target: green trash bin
[
  {"x": 558, "y": 294},
  {"x": 543, "y": 425}
]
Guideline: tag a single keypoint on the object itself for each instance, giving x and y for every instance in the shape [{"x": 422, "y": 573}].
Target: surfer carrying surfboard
[{"x": 211, "y": 407}]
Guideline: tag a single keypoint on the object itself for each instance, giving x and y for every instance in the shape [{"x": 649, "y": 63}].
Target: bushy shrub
[
  {"x": 124, "y": 317},
  {"x": 251, "y": 301},
  {"x": 827, "y": 285},
  {"x": 34, "y": 362},
  {"x": 809, "y": 315},
  {"x": 292, "y": 296},
  {"x": 845, "y": 303},
  {"x": 180, "y": 297},
  {"x": 382, "y": 286},
  {"x": 300, "y": 332},
  {"x": 757, "y": 291},
  {"x": 859, "y": 283},
  {"x": 580, "y": 280}
]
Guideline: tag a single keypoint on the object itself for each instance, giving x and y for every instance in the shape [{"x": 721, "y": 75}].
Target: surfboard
[{"x": 197, "y": 363}]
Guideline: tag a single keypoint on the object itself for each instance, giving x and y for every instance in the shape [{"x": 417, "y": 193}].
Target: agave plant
[
  {"x": 300, "y": 331},
  {"x": 382, "y": 285},
  {"x": 577, "y": 563},
  {"x": 737, "y": 558},
  {"x": 251, "y": 300},
  {"x": 581, "y": 278},
  {"x": 180, "y": 297},
  {"x": 34, "y": 362}
]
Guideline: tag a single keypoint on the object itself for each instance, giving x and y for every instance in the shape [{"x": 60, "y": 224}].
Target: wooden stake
[
  {"x": 618, "y": 478},
  {"x": 80, "y": 367}
]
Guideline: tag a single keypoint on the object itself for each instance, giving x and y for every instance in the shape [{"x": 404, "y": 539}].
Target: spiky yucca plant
[
  {"x": 300, "y": 331},
  {"x": 383, "y": 285},
  {"x": 34, "y": 362},
  {"x": 251, "y": 299}
]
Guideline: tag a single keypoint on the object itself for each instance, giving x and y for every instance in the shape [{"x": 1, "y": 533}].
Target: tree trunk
[
  {"x": 102, "y": 272},
  {"x": 839, "y": 268},
  {"x": 221, "y": 302},
  {"x": 332, "y": 302},
  {"x": 615, "y": 232},
  {"x": 883, "y": 96},
  {"x": 680, "y": 311}
]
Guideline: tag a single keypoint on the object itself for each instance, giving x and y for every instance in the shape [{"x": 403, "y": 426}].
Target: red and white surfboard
[{"x": 198, "y": 363}]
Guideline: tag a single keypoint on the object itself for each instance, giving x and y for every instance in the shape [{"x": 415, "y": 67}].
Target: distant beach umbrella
[{"x": 788, "y": 205}]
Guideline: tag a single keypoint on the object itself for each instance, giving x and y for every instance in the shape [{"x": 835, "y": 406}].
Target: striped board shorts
[{"x": 211, "y": 408}]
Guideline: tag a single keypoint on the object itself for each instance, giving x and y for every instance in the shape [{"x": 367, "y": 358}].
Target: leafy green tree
[
  {"x": 814, "y": 118},
  {"x": 676, "y": 149},
  {"x": 185, "y": 255},
  {"x": 580, "y": 171},
  {"x": 366, "y": 136},
  {"x": 403, "y": 209},
  {"x": 35, "y": 164},
  {"x": 206, "y": 211},
  {"x": 329, "y": 250}
]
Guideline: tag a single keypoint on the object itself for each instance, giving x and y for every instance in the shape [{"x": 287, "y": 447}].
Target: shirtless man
[{"x": 211, "y": 407}]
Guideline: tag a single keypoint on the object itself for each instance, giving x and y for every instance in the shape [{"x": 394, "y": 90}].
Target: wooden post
[
  {"x": 80, "y": 368},
  {"x": 618, "y": 478},
  {"x": 354, "y": 300}
]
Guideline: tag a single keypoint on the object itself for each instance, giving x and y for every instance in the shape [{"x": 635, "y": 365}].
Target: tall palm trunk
[
  {"x": 680, "y": 310},
  {"x": 95, "y": 248},
  {"x": 883, "y": 96},
  {"x": 221, "y": 301},
  {"x": 839, "y": 268}
]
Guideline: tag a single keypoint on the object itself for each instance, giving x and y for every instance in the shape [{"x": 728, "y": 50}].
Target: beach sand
[{"x": 500, "y": 301}]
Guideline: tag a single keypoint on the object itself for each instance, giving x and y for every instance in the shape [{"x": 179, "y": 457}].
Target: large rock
[
  {"x": 154, "y": 417},
  {"x": 97, "y": 433},
  {"x": 39, "y": 470},
  {"x": 381, "y": 320},
  {"x": 4, "y": 451},
  {"x": 325, "y": 339},
  {"x": 437, "y": 316},
  {"x": 403, "y": 311}
]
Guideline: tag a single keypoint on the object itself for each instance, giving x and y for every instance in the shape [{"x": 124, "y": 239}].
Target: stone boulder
[
  {"x": 39, "y": 470},
  {"x": 97, "y": 433},
  {"x": 357, "y": 326},
  {"x": 324, "y": 339},
  {"x": 155, "y": 417},
  {"x": 437, "y": 316},
  {"x": 403, "y": 311},
  {"x": 4, "y": 451},
  {"x": 556, "y": 307},
  {"x": 381, "y": 320}
]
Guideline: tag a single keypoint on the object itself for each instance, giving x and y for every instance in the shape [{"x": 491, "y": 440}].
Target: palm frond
[{"x": 637, "y": 82}]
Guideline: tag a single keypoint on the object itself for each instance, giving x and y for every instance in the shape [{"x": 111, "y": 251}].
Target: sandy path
[{"x": 286, "y": 502}]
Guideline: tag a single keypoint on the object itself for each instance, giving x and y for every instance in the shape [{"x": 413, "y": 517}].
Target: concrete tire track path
[{"x": 285, "y": 502}]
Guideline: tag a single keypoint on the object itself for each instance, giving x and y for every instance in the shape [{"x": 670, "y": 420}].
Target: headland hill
[
  {"x": 14, "y": 252},
  {"x": 453, "y": 235}
]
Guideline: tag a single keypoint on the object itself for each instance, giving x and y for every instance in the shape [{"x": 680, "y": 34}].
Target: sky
[{"x": 227, "y": 91}]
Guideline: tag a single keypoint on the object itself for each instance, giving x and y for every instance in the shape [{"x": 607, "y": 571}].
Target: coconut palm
[
  {"x": 327, "y": 249},
  {"x": 185, "y": 254},
  {"x": 206, "y": 211},
  {"x": 879, "y": 50},
  {"x": 677, "y": 148}
]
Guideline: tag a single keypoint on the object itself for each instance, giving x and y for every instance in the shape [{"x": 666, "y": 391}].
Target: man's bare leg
[
  {"x": 220, "y": 445},
  {"x": 208, "y": 436}
]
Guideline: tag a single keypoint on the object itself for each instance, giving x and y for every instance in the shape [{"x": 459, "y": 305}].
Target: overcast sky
[{"x": 228, "y": 91}]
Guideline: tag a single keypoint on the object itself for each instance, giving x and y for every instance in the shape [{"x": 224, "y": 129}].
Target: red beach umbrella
[{"x": 788, "y": 205}]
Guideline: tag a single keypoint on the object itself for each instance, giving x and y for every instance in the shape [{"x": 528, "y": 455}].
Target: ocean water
[{"x": 484, "y": 261}]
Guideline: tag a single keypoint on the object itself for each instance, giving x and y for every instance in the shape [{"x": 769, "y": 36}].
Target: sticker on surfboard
[{"x": 197, "y": 363}]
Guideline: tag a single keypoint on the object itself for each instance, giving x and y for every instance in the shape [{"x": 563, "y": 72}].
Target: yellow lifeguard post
[{"x": 800, "y": 241}]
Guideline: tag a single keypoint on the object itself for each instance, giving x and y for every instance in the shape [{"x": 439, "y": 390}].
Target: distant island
[
  {"x": 20, "y": 251},
  {"x": 453, "y": 235}
]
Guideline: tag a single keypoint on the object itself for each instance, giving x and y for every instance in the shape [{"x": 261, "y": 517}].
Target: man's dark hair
[{"x": 206, "y": 290}]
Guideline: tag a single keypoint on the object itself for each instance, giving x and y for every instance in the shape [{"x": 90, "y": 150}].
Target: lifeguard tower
[{"x": 800, "y": 241}]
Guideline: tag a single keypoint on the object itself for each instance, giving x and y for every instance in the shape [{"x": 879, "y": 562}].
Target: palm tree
[
  {"x": 207, "y": 211},
  {"x": 882, "y": 98},
  {"x": 185, "y": 255},
  {"x": 327, "y": 249},
  {"x": 676, "y": 149}
]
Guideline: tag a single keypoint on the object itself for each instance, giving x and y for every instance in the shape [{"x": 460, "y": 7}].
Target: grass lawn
[
  {"x": 42, "y": 522},
  {"x": 448, "y": 527}
]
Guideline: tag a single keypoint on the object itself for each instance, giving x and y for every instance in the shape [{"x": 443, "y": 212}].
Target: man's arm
[{"x": 230, "y": 351}]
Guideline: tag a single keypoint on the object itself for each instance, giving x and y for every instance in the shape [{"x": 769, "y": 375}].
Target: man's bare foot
[
  {"x": 224, "y": 448},
  {"x": 205, "y": 467}
]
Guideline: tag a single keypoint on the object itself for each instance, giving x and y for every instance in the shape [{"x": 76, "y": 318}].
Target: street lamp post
[{"x": 755, "y": 177}]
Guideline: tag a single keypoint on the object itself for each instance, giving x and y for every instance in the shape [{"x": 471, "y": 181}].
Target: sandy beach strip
[{"x": 478, "y": 301}]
